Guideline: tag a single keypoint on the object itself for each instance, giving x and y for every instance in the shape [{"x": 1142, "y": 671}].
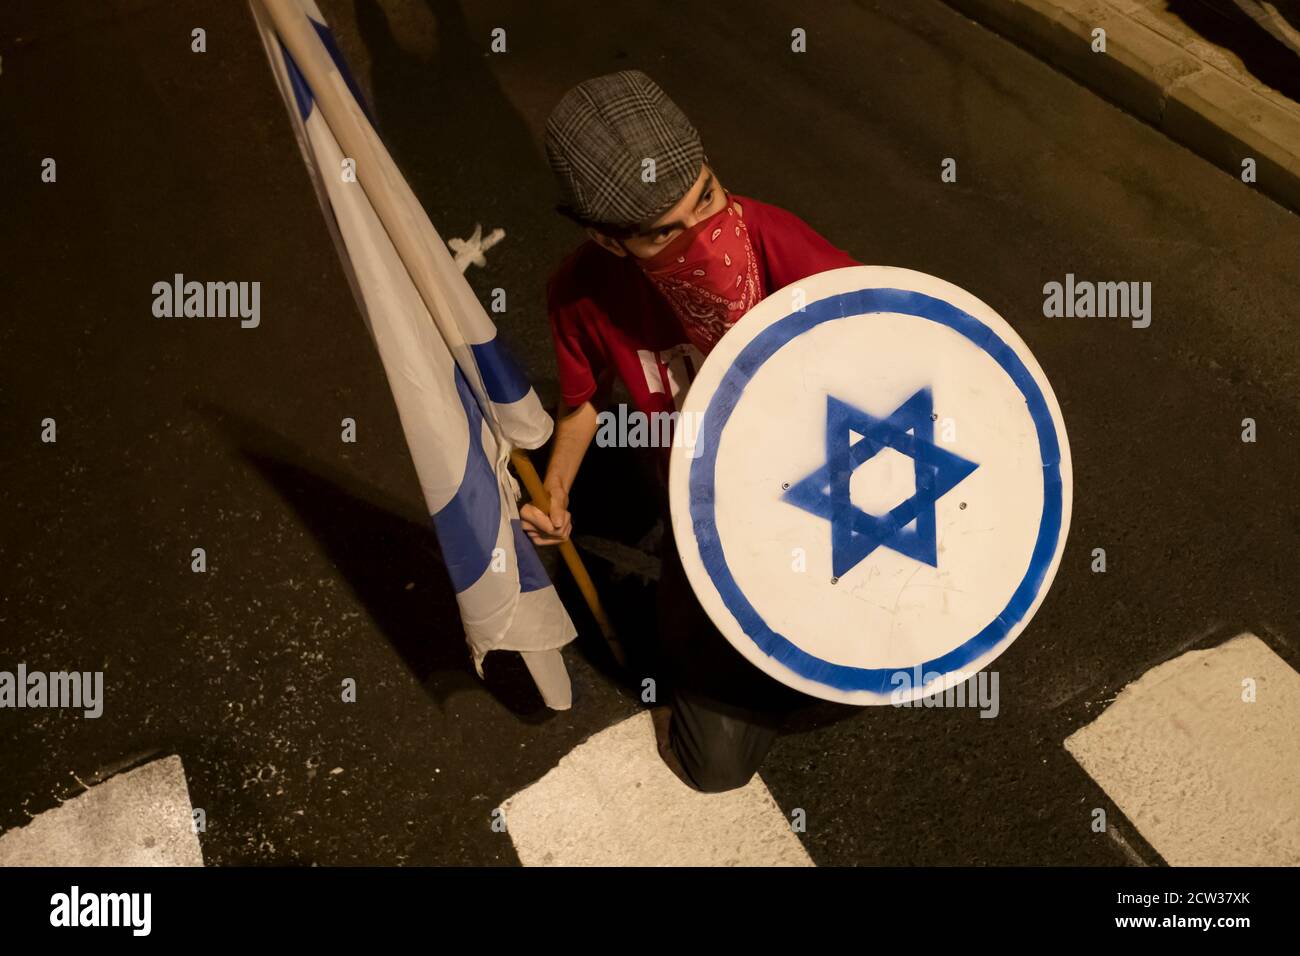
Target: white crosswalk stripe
[
  {"x": 1202, "y": 754},
  {"x": 612, "y": 802},
  {"x": 141, "y": 817}
]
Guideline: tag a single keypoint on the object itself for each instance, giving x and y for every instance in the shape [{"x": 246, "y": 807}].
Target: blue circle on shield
[{"x": 729, "y": 393}]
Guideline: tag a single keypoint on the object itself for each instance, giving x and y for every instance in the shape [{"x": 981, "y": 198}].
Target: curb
[{"x": 1158, "y": 81}]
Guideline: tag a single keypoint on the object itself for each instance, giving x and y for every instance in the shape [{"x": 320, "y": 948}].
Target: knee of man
[{"x": 720, "y": 769}]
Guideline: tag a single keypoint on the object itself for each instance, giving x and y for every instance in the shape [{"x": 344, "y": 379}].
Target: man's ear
[{"x": 605, "y": 242}]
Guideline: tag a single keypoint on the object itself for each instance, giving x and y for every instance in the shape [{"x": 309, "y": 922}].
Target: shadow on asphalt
[
  {"x": 490, "y": 169},
  {"x": 391, "y": 563}
]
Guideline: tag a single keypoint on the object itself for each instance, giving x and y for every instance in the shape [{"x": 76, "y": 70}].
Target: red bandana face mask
[{"x": 709, "y": 275}]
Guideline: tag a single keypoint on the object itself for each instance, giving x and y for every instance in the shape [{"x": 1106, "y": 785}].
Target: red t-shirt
[{"x": 608, "y": 319}]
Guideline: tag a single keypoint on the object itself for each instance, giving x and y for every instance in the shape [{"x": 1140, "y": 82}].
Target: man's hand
[
  {"x": 548, "y": 529},
  {"x": 574, "y": 430}
]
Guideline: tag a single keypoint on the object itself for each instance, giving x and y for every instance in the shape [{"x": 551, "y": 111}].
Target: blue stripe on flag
[
  {"x": 502, "y": 377},
  {"x": 301, "y": 91},
  {"x": 467, "y": 525},
  {"x": 532, "y": 576}
]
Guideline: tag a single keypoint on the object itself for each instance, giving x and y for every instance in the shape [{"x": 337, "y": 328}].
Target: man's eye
[{"x": 706, "y": 198}]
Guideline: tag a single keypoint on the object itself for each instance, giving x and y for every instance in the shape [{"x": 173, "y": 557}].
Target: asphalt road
[{"x": 183, "y": 433}]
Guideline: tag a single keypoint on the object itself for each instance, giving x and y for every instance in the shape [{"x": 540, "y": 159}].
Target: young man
[{"x": 672, "y": 261}]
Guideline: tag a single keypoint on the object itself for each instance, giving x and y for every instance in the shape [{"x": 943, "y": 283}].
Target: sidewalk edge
[{"x": 1157, "y": 81}]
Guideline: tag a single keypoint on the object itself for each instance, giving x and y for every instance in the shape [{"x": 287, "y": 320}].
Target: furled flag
[{"x": 463, "y": 402}]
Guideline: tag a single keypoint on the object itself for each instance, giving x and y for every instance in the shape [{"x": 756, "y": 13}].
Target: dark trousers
[{"x": 726, "y": 713}]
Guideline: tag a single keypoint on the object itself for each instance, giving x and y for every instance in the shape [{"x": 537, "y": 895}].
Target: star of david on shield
[{"x": 854, "y": 437}]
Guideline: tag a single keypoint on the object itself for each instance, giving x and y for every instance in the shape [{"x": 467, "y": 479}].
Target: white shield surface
[{"x": 876, "y": 487}]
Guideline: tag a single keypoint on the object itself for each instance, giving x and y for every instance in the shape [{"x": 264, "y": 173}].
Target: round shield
[{"x": 872, "y": 490}]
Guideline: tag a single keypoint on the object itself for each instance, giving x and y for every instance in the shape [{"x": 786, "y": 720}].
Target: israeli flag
[{"x": 463, "y": 402}]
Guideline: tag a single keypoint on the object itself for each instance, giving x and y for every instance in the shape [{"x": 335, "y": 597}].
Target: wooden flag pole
[{"x": 537, "y": 492}]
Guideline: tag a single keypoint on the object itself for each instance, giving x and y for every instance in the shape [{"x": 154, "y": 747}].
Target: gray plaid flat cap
[{"x": 600, "y": 134}]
